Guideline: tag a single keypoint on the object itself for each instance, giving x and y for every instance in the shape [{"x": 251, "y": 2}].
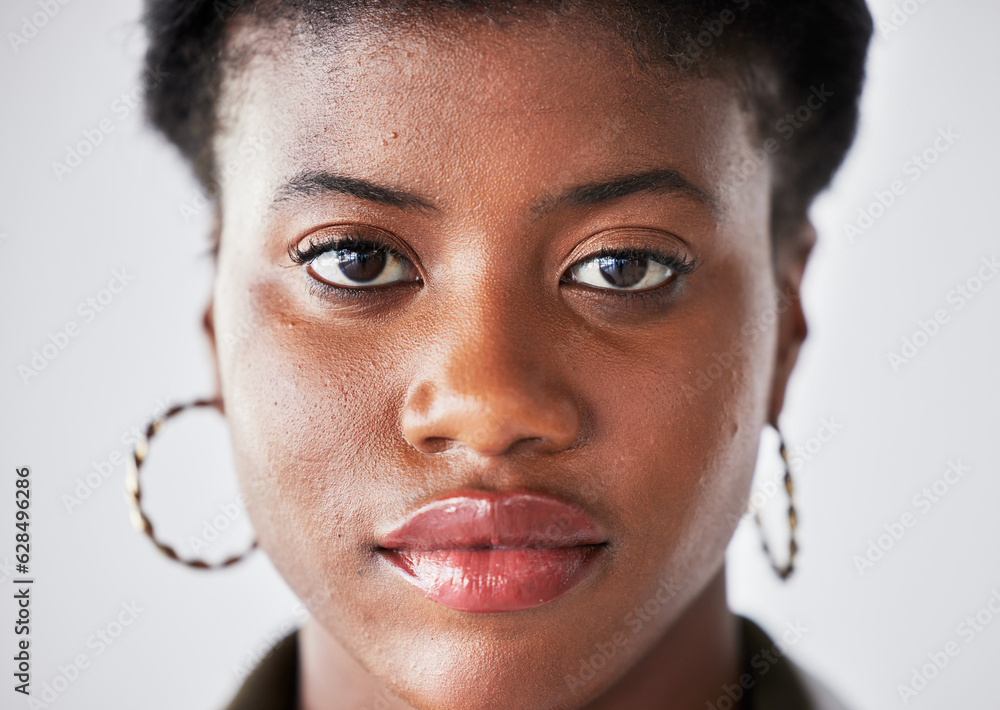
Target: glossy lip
[{"x": 494, "y": 552}]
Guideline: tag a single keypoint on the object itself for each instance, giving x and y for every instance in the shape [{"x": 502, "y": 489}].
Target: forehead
[{"x": 460, "y": 110}]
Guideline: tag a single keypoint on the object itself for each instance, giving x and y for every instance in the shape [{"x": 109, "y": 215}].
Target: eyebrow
[
  {"x": 315, "y": 182},
  {"x": 659, "y": 181}
]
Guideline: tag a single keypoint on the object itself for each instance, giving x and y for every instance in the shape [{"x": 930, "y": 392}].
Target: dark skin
[{"x": 484, "y": 365}]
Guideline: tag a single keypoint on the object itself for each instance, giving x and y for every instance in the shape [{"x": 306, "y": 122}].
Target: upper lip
[{"x": 481, "y": 520}]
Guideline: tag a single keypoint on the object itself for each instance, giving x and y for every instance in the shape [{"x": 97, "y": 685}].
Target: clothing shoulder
[
  {"x": 774, "y": 681},
  {"x": 820, "y": 695},
  {"x": 274, "y": 683}
]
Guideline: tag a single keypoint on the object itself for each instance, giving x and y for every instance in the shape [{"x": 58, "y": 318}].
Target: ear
[
  {"x": 208, "y": 317},
  {"x": 790, "y": 264},
  {"x": 208, "y": 326}
]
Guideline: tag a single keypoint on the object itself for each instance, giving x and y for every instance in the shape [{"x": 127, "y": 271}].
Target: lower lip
[{"x": 494, "y": 579}]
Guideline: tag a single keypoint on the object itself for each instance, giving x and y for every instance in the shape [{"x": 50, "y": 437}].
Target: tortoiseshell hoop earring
[
  {"x": 134, "y": 496},
  {"x": 784, "y": 571}
]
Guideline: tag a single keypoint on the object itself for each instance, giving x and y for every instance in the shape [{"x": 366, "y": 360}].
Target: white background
[{"x": 898, "y": 429}]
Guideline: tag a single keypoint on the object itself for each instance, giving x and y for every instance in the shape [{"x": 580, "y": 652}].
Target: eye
[
  {"x": 359, "y": 266},
  {"x": 625, "y": 270},
  {"x": 352, "y": 261}
]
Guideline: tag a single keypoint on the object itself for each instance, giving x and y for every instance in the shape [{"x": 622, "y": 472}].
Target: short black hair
[{"x": 800, "y": 65}]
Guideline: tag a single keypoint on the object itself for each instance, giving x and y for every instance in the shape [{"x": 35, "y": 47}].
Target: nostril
[
  {"x": 534, "y": 441},
  {"x": 434, "y": 445}
]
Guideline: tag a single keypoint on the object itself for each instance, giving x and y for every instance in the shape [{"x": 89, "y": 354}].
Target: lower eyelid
[
  {"x": 347, "y": 295},
  {"x": 664, "y": 289}
]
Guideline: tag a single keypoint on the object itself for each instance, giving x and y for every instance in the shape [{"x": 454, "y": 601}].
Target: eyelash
[
  {"x": 352, "y": 238},
  {"x": 677, "y": 263}
]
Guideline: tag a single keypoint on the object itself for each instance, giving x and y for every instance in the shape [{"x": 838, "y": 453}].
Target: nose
[{"x": 490, "y": 384}]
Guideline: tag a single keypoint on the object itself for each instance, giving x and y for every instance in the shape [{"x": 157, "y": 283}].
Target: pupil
[
  {"x": 363, "y": 265},
  {"x": 622, "y": 271}
]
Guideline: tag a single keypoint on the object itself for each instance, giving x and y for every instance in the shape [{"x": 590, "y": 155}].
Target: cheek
[
  {"x": 305, "y": 414},
  {"x": 683, "y": 429}
]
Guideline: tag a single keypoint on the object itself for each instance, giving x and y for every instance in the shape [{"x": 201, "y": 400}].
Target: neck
[{"x": 687, "y": 669}]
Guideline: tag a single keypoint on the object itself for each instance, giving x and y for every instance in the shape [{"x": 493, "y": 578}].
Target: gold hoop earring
[
  {"x": 134, "y": 496},
  {"x": 784, "y": 571}
]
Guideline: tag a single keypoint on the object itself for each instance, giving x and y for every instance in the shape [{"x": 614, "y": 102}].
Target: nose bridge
[{"x": 490, "y": 380}]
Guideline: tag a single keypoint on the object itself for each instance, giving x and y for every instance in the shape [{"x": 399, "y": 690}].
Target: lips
[{"x": 494, "y": 552}]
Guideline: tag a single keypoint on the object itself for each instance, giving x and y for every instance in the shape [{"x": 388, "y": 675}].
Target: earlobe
[
  {"x": 790, "y": 264},
  {"x": 208, "y": 317},
  {"x": 208, "y": 326}
]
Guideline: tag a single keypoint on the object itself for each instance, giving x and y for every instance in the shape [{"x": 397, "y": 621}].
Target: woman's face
[{"x": 473, "y": 341}]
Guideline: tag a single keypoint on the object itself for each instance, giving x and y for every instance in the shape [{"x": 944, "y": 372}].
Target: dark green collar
[{"x": 274, "y": 683}]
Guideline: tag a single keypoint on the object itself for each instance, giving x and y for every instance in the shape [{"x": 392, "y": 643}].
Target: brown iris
[
  {"x": 622, "y": 272},
  {"x": 360, "y": 264}
]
